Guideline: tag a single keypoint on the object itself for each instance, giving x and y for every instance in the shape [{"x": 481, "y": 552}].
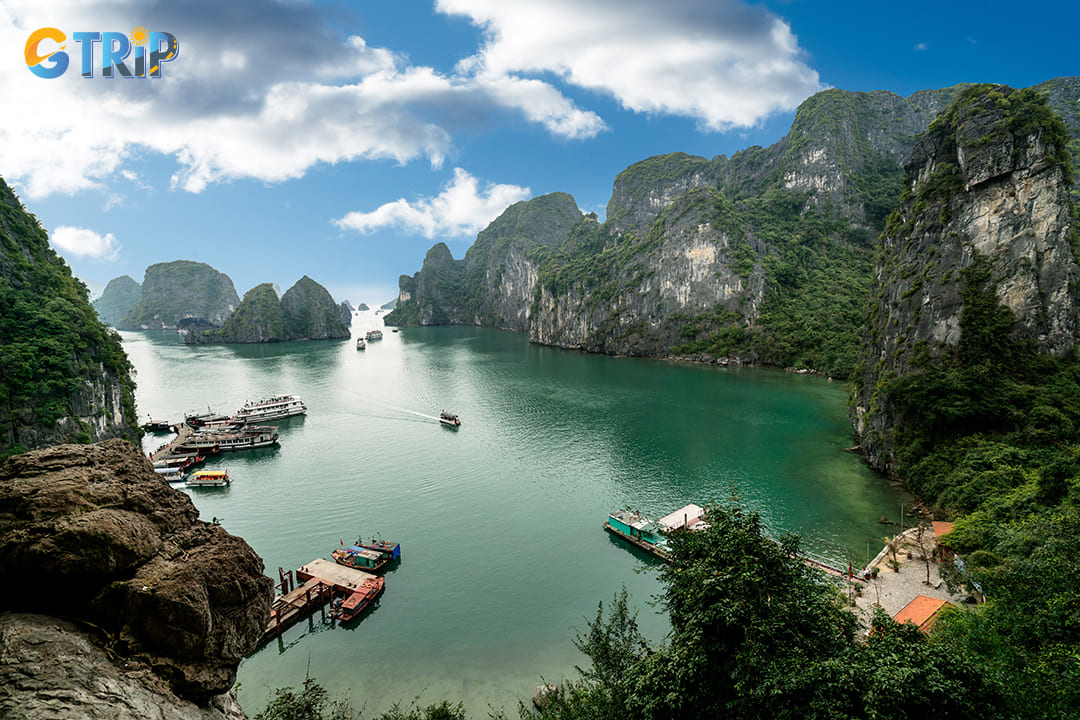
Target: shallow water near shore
[{"x": 500, "y": 520}]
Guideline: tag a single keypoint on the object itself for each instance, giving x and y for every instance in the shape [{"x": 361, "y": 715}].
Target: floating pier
[{"x": 319, "y": 581}]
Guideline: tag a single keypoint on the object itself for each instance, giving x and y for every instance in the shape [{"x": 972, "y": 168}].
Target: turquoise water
[{"x": 500, "y": 520}]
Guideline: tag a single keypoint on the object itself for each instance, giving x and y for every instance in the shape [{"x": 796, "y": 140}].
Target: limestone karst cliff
[
  {"x": 762, "y": 257},
  {"x": 306, "y": 311},
  {"x": 117, "y": 300},
  {"x": 985, "y": 234},
  {"x": 182, "y": 294},
  {"x": 158, "y": 607},
  {"x": 63, "y": 375}
]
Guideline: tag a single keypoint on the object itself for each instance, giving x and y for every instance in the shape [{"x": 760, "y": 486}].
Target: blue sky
[{"x": 342, "y": 139}]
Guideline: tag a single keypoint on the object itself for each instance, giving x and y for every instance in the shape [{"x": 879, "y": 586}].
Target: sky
[{"x": 341, "y": 140}]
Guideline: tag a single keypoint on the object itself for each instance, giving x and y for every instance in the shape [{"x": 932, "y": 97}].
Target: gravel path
[{"x": 893, "y": 590}]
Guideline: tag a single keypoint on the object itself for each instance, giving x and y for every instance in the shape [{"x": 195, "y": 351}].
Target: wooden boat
[
  {"x": 391, "y": 550},
  {"x": 170, "y": 473},
  {"x": 639, "y": 531},
  {"x": 361, "y": 558},
  {"x": 247, "y": 438},
  {"x": 278, "y": 407},
  {"x": 359, "y": 600},
  {"x": 208, "y": 478},
  {"x": 158, "y": 426},
  {"x": 447, "y": 418}
]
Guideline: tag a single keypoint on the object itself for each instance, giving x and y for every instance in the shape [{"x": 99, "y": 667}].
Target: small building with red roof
[{"x": 922, "y": 611}]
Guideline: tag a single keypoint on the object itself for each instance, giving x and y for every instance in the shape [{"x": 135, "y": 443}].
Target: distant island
[{"x": 306, "y": 311}]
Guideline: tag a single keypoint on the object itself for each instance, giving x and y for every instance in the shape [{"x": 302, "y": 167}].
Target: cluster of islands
[{"x": 924, "y": 249}]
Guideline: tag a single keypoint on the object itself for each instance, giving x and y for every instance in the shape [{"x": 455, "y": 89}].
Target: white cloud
[
  {"x": 85, "y": 243},
  {"x": 723, "y": 62},
  {"x": 287, "y": 95},
  {"x": 921, "y": 46},
  {"x": 460, "y": 210}
]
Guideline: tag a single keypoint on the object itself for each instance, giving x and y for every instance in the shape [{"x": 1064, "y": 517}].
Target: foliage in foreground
[
  {"x": 313, "y": 702},
  {"x": 757, "y": 634}
]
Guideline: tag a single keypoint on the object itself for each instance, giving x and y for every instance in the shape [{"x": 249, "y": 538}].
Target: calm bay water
[{"x": 499, "y": 520}]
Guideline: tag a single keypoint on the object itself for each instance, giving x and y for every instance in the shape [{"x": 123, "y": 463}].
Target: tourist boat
[
  {"x": 360, "y": 344},
  {"x": 278, "y": 407},
  {"x": 157, "y": 426},
  {"x": 363, "y": 558},
  {"x": 170, "y": 474},
  {"x": 359, "y": 600},
  {"x": 197, "y": 420},
  {"x": 183, "y": 462},
  {"x": 447, "y": 418},
  {"x": 248, "y": 438},
  {"x": 639, "y": 531},
  {"x": 208, "y": 478},
  {"x": 374, "y": 335}
]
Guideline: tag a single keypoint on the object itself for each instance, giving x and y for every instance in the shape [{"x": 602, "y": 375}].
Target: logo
[{"x": 46, "y": 58}]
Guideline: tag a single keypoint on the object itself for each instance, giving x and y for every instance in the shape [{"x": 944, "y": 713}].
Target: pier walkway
[{"x": 319, "y": 581}]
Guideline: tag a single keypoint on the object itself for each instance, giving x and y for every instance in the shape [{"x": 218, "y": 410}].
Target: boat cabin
[
  {"x": 360, "y": 558},
  {"x": 634, "y": 525},
  {"x": 208, "y": 478},
  {"x": 390, "y": 550}
]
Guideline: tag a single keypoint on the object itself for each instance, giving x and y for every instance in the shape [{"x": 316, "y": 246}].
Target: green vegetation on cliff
[
  {"x": 120, "y": 296},
  {"x": 181, "y": 293},
  {"x": 987, "y": 430},
  {"x": 61, "y": 370},
  {"x": 305, "y": 312}
]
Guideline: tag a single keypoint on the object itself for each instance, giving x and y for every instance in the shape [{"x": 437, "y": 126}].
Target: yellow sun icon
[{"x": 139, "y": 36}]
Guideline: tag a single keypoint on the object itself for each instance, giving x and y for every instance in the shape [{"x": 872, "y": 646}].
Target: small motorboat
[
  {"x": 448, "y": 418},
  {"x": 360, "y": 344}
]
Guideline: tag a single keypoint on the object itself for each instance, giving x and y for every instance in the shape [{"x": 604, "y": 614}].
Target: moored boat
[
  {"x": 363, "y": 558},
  {"x": 391, "y": 550},
  {"x": 639, "y": 531},
  {"x": 248, "y": 438},
  {"x": 373, "y": 335},
  {"x": 158, "y": 426},
  {"x": 170, "y": 474},
  {"x": 208, "y": 478},
  {"x": 278, "y": 407},
  {"x": 359, "y": 600},
  {"x": 448, "y": 418}
]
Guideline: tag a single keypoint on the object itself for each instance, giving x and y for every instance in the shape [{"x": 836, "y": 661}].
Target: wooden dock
[
  {"x": 165, "y": 452},
  {"x": 320, "y": 580},
  {"x": 342, "y": 579}
]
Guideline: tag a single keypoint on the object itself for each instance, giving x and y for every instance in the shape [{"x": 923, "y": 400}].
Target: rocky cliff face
[
  {"x": 987, "y": 211},
  {"x": 305, "y": 312},
  {"x": 164, "y": 606},
  {"x": 495, "y": 283},
  {"x": 258, "y": 319},
  {"x": 182, "y": 294},
  {"x": 345, "y": 309},
  {"x": 311, "y": 313},
  {"x": 119, "y": 297},
  {"x": 763, "y": 257},
  {"x": 63, "y": 375}
]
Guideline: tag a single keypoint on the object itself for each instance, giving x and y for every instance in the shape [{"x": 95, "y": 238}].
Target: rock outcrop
[
  {"x": 495, "y": 283},
  {"x": 311, "y": 313},
  {"x": 987, "y": 211},
  {"x": 346, "y": 310},
  {"x": 119, "y": 297},
  {"x": 91, "y": 534},
  {"x": 182, "y": 294},
  {"x": 258, "y": 319},
  {"x": 305, "y": 312},
  {"x": 64, "y": 376}
]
